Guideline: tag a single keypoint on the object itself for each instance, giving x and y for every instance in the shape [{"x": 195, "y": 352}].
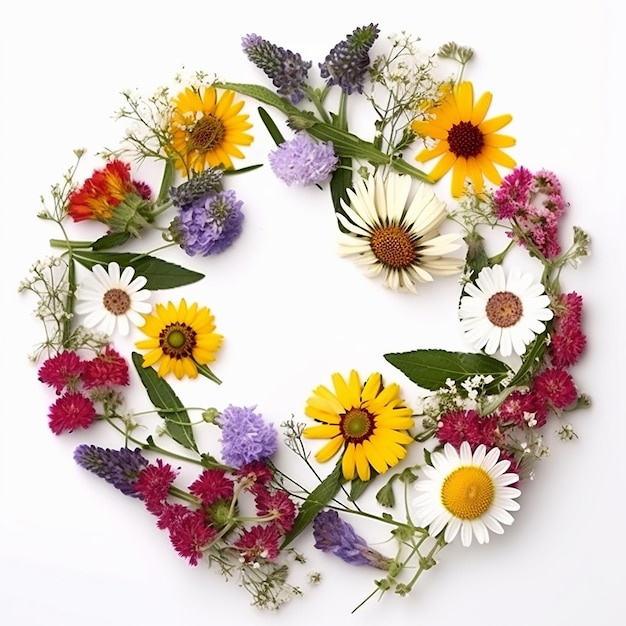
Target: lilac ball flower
[
  {"x": 246, "y": 437},
  {"x": 121, "y": 468},
  {"x": 334, "y": 535},
  {"x": 303, "y": 161},
  {"x": 208, "y": 225}
]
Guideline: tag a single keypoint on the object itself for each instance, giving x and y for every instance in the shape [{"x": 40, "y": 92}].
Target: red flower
[
  {"x": 556, "y": 387},
  {"x": 153, "y": 485},
  {"x": 190, "y": 534},
  {"x": 568, "y": 340},
  {"x": 259, "y": 542},
  {"x": 212, "y": 485},
  {"x": 456, "y": 427},
  {"x": 524, "y": 409},
  {"x": 71, "y": 411},
  {"x": 108, "y": 369},
  {"x": 256, "y": 471},
  {"x": 276, "y": 503},
  {"x": 62, "y": 371}
]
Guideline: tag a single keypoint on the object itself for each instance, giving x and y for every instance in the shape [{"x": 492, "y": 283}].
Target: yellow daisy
[
  {"x": 206, "y": 130},
  {"x": 180, "y": 339},
  {"x": 466, "y": 142},
  {"x": 369, "y": 422}
]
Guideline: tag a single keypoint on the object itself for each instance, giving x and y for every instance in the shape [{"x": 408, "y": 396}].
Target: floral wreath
[{"x": 460, "y": 458}]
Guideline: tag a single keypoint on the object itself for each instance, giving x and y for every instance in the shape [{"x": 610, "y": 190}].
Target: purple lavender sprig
[
  {"x": 347, "y": 63},
  {"x": 286, "y": 69},
  {"x": 121, "y": 467},
  {"x": 332, "y": 534}
]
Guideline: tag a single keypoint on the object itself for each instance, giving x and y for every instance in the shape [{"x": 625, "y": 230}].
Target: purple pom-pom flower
[
  {"x": 303, "y": 161},
  {"x": 246, "y": 437}
]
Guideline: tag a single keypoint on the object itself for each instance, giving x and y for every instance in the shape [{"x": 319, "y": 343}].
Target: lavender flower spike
[
  {"x": 246, "y": 437},
  {"x": 303, "y": 161},
  {"x": 286, "y": 69},
  {"x": 121, "y": 468},
  {"x": 347, "y": 63},
  {"x": 198, "y": 185},
  {"x": 208, "y": 225},
  {"x": 334, "y": 535}
]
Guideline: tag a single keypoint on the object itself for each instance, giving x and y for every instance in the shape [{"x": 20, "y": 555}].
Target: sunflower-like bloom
[
  {"x": 180, "y": 339},
  {"x": 369, "y": 422},
  {"x": 206, "y": 129},
  {"x": 467, "y": 143},
  {"x": 392, "y": 233}
]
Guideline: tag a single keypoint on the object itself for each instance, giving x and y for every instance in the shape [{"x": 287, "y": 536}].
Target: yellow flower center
[
  {"x": 393, "y": 247},
  {"x": 468, "y": 492},
  {"x": 116, "y": 301},
  {"x": 504, "y": 309},
  {"x": 207, "y": 134},
  {"x": 465, "y": 140},
  {"x": 177, "y": 340},
  {"x": 357, "y": 425}
]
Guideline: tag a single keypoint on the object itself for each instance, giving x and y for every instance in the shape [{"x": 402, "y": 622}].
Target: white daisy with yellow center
[
  {"x": 111, "y": 299},
  {"x": 466, "y": 492},
  {"x": 500, "y": 312},
  {"x": 394, "y": 233}
]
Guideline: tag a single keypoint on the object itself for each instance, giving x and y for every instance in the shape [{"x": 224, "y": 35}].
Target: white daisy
[
  {"x": 466, "y": 492},
  {"x": 111, "y": 300},
  {"x": 393, "y": 234},
  {"x": 505, "y": 313}
]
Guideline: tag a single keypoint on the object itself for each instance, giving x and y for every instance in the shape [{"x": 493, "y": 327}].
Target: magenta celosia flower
[
  {"x": 259, "y": 542},
  {"x": 62, "y": 371},
  {"x": 277, "y": 504},
  {"x": 212, "y": 485},
  {"x": 154, "y": 483},
  {"x": 190, "y": 534},
  {"x": 256, "y": 472},
  {"x": 556, "y": 387},
  {"x": 71, "y": 411},
  {"x": 567, "y": 338},
  {"x": 456, "y": 427},
  {"x": 108, "y": 369},
  {"x": 523, "y": 409}
]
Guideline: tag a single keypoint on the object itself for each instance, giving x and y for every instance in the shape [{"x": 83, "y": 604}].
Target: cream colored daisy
[
  {"x": 466, "y": 492},
  {"x": 395, "y": 233},
  {"x": 504, "y": 312},
  {"x": 111, "y": 300}
]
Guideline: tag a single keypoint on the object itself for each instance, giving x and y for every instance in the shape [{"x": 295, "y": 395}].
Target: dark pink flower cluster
[
  {"x": 534, "y": 204},
  {"x": 80, "y": 383},
  {"x": 193, "y": 528},
  {"x": 567, "y": 339}
]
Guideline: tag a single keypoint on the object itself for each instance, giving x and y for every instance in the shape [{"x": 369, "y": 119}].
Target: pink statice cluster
[
  {"x": 211, "y": 522},
  {"x": 81, "y": 384},
  {"x": 534, "y": 205}
]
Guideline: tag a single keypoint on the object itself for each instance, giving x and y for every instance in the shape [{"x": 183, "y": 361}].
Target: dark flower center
[
  {"x": 465, "y": 140},
  {"x": 357, "y": 425},
  {"x": 116, "y": 301},
  {"x": 177, "y": 340},
  {"x": 504, "y": 309},
  {"x": 393, "y": 247},
  {"x": 207, "y": 134}
]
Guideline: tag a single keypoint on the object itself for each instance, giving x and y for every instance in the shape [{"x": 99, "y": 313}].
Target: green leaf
[
  {"x": 358, "y": 486},
  {"x": 160, "y": 274},
  {"x": 316, "y": 500},
  {"x": 110, "y": 241},
  {"x": 275, "y": 134},
  {"x": 166, "y": 181},
  {"x": 431, "y": 368},
  {"x": 167, "y": 404},
  {"x": 340, "y": 181}
]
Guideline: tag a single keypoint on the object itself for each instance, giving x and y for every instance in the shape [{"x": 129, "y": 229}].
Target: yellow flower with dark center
[
  {"x": 206, "y": 129},
  {"x": 180, "y": 340},
  {"x": 369, "y": 422},
  {"x": 467, "y": 143}
]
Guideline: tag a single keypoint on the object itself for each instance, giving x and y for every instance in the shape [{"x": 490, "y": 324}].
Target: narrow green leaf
[
  {"x": 533, "y": 355},
  {"x": 315, "y": 502},
  {"x": 275, "y": 134},
  {"x": 358, "y": 486},
  {"x": 110, "y": 241},
  {"x": 163, "y": 397},
  {"x": 430, "y": 369},
  {"x": 160, "y": 274},
  {"x": 340, "y": 181},
  {"x": 166, "y": 181}
]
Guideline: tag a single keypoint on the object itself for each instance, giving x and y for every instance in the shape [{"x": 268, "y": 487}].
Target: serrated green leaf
[
  {"x": 160, "y": 274},
  {"x": 430, "y": 369},
  {"x": 162, "y": 397},
  {"x": 110, "y": 241},
  {"x": 315, "y": 502}
]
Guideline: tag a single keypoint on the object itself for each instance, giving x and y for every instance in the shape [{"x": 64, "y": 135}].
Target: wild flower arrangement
[{"x": 460, "y": 458}]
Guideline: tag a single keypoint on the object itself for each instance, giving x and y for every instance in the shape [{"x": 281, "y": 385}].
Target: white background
[{"x": 75, "y": 551}]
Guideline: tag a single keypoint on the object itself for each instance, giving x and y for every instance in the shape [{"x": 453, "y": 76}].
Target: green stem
[{"x": 206, "y": 372}]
